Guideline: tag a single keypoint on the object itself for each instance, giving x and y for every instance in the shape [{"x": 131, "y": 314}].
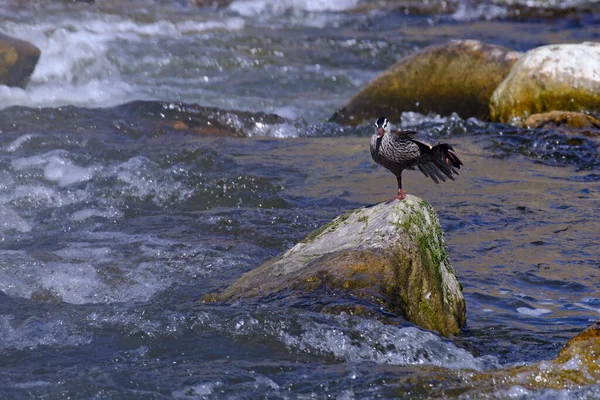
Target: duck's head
[{"x": 382, "y": 126}]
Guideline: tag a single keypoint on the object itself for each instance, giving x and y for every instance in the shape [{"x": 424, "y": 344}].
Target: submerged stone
[
  {"x": 457, "y": 77},
  {"x": 196, "y": 119},
  {"x": 569, "y": 123},
  {"x": 568, "y": 119},
  {"x": 18, "y": 59},
  {"x": 391, "y": 255},
  {"x": 561, "y": 77},
  {"x": 576, "y": 365}
]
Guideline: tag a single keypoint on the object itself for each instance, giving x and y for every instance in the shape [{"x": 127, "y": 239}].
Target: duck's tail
[{"x": 439, "y": 162}]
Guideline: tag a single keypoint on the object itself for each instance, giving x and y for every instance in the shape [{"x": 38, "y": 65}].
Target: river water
[{"x": 115, "y": 221}]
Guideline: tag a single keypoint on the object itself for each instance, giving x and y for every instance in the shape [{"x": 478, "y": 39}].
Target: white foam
[
  {"x": 79, "y": 65},
  {"x": 23, "y": 163},
  {"x": 77, "y": 252},
  {"x": 353, "y": 340},
  {"x": 65, "y": 173},
  {"x": 57, "y": 167},
  {"x": 74, "y": 283},
  {"x": 595, "y": 300},
  {"x": 10, "y": 220},
  {"x": 117, "y": 27},
  {"x": 286, "y": 112},
  {"x": 274, "y": 130},
  {"x": 73, "y": 68},
  {"x": 78, "y": 275},
  {"x": 17, "y": 143},
  {"x": 196, "y": 391},
  {"x": 230, "y": 24},
  {"x": 535, "y": 312},
  {"x": 13, "y": 285},
  {"x": 588, "y": 307},
  {"x": 210, "y": 389},
  {"x": 31, "y": 384},
  {"x": 520, "y": 392},
  {"x": 82, "y": 215},
  {"x": 35, "y": 332},
  {"x": 90, "y": 93},
  {"x": 514, "y": 392},
  {"x": 263, "y": 381},
  {"x": 252, "y": 8},
  {"x": 41, "y": 195},
  {"x": 410, "y": 119},
  {"x": 80, "y": 283},
  {"x": 144, "y": 179},
  {"x": 365, "y": 340},
  {"x": 467, "y": 12}
]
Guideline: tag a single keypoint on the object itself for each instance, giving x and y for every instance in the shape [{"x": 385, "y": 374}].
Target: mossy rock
[
  {"x": 561, "y": 77},
  {"x": 17, "y": 61},
  {"x": 390, "y": 255},
  {"x": 575, "y": 366},
  {"x": 459, "y": 76}
]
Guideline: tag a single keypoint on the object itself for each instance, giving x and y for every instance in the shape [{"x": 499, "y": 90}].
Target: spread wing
[{"x": 438, "y": 162}]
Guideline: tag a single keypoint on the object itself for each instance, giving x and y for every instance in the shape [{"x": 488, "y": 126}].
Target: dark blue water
[{"x": 116, "y": 220}]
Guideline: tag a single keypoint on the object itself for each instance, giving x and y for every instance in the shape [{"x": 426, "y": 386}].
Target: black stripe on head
[{"x": 381, "y": 122}]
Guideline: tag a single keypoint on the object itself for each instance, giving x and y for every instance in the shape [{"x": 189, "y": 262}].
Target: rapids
[{"x": 114, "y": 224}]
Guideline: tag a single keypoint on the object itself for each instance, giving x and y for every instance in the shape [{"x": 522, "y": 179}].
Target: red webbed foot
[{"x": 401, "y": 196}]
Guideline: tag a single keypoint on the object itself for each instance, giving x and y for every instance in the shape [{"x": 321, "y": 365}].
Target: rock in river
[
  {"x": 563, "y": 77},
  {"x": 567, "y": 119},
  {"x": 456, "y": 77},
  {"x": 17, "y": 61},
  {"x": 391, "y": 255},
  {"x": 575, "y": 365}
]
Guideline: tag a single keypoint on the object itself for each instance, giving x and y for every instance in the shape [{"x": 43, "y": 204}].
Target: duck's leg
[{"x": 401, "y": 192}]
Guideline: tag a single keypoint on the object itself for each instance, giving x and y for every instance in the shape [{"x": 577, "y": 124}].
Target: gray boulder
[{"x": 391, "y": 255}]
